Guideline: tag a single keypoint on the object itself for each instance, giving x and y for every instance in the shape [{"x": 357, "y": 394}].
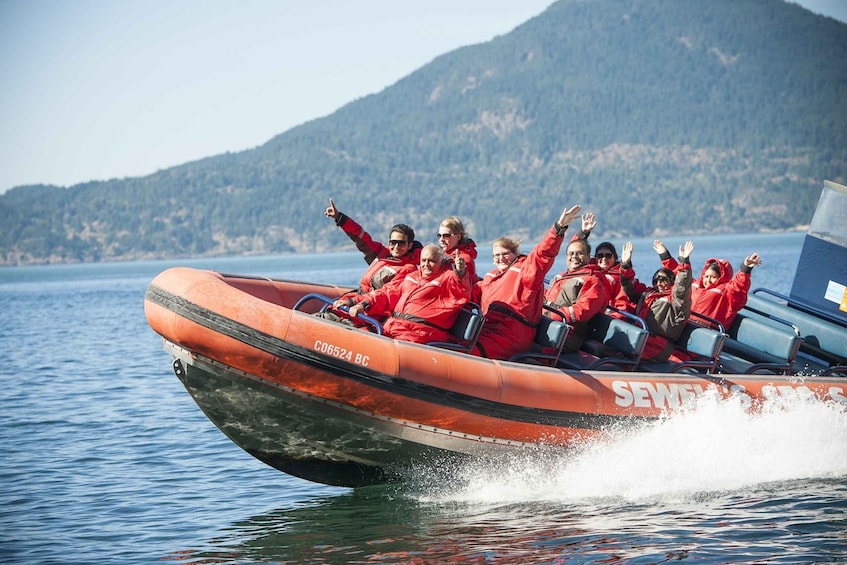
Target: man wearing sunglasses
[{"x": 385, "y": 262}]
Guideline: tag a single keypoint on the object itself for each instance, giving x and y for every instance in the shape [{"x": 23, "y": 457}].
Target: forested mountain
[{"x": 662, "y": 116}]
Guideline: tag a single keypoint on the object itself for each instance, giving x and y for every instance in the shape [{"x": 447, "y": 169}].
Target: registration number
[{"x": 341, "y": 353}]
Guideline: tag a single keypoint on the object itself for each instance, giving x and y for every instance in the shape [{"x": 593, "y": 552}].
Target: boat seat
[
  {"x": 824, "y": 347},
  {"x": 756, "y": 346},
  {"x": 465, "y": 330},
  {"x": 702, "y": 343},
  {"x": 549, "y": 341},
  {"x": 613, "y": 342}
]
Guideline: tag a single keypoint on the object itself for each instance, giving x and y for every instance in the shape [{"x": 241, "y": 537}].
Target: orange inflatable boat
[{"x": 342, "y": 405}]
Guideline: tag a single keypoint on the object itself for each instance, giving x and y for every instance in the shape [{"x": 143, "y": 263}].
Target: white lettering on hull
[{"x": 645, "y": 394}]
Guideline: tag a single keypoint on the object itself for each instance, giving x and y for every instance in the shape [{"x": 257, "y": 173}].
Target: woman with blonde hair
[
  {"x": 452, "y": 238},
  {"x": 512, "y": 294}
]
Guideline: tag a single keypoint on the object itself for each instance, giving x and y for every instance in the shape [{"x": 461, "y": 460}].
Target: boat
[{"x": 343, "y": 405}]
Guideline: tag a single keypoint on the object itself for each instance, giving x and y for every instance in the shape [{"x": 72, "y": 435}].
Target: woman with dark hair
[
  {"x": 720, "y": 295},
  {"x": 666, "y": 306}
]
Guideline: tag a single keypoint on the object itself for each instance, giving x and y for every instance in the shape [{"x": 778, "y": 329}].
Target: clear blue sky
[{"x": 98, "y": 89}]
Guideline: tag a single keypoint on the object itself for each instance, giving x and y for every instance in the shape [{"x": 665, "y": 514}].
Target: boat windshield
[{"x": 830, "y": 219}]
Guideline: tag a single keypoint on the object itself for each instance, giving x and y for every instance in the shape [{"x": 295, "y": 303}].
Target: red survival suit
[
  {"x": 511, "y": 300},
  {"x": 617, "y": 295},
  {"x": 382, "y": 266},
  {"x": 421, "y": 310},
  {"x": 579, "y": 295},
  {"x": 726, "y": 297}
]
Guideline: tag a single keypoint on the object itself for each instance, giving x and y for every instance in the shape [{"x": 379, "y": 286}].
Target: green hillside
[{"x": 662, "y": 116}]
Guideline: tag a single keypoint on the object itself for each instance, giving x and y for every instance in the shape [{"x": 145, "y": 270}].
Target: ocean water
[{"x": 106, "y": 459}]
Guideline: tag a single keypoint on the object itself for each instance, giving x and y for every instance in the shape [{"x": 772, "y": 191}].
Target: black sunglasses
[{"x": 393, "y": 242}]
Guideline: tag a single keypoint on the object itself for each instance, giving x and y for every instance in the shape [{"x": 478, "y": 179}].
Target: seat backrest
[
  {"x": 759, "y": 335},
  {"x": 701, "y": 340},
  {"x": 552, "y": 334},
  {"x": 465, "y": 330},
  {"x": 704, "y": 342},
  {"x": 822, "y": 336},
  {"x": 621, "y": 336},
  {"x": 468, "y": 324}
]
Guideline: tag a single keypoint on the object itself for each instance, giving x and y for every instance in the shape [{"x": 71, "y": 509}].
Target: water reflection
[
  {"x": 386, "y": 525},
  {"x": 392, "y": 525}
]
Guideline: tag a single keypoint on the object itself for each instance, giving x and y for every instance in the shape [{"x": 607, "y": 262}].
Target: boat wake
[{"x": 711, "y": 446}]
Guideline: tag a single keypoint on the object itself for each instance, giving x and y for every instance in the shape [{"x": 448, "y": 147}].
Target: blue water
[{"x": 106, "y": 459}]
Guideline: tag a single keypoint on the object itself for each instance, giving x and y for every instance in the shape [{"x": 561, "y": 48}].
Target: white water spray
[{"x": 711, "y": 446}]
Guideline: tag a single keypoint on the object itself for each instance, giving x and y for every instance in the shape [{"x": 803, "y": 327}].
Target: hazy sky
[{"x": 98, "y": 89}]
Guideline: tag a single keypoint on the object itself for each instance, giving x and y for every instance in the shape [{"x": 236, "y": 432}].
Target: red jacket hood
[{"x": 724, "y": 267}]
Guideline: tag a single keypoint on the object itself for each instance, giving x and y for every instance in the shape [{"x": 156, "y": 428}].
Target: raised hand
[
  {"x": 626, "y": 253},
  {"x": 686, "y": 249},
  {"x": 568, "y": 215},
  {"x": 753, "y": 260},
  {"x": 588, "y": 222},
  {"x": 659, "y": 247},
  {"x": 331, "y": 211}
]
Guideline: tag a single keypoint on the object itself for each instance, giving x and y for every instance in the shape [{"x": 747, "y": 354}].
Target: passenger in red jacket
[
  {"x": 422, "y": 306},
  {"x": 579, "y": 293},
  {"x": 385, "y": 262},
  {"x": 606, "y": 257},
  {"x": 511, "y": 295},
  {"x": 720, "y": 295},
  {"x": 452, "y": 236}
]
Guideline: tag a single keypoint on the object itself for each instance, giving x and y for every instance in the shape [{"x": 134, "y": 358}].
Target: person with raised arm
[
  {"x": 606, "y": 258},
  {"x": 720, "y": 295},
  {"x": 577, "y": 294},
  {"x": 384, "y": 261},
  {"x": 511, "y": 295},
  {"x": 666, "y": 306}
]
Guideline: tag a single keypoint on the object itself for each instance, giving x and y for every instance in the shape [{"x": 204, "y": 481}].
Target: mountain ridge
[{"x": 662, "y": 117}]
